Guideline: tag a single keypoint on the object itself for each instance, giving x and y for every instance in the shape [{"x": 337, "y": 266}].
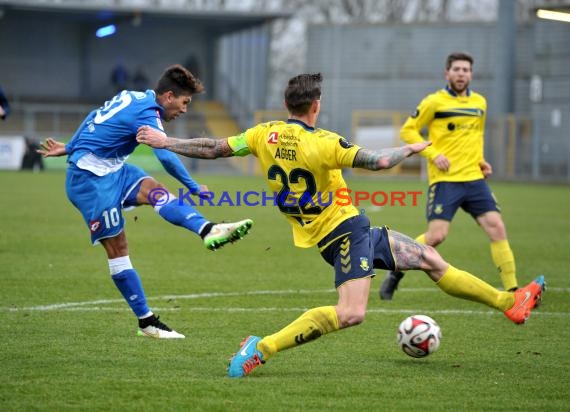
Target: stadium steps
[
  {"x": 208, "y": 119},
  {"x": 218, "y": 120}
]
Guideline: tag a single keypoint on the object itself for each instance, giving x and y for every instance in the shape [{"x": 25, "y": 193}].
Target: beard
[{"x": 459, "y": 88}]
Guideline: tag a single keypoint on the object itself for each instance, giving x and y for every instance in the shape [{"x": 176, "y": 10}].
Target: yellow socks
[
  {"x": 505, "y": 261},
  {"x": 464, "y": 285},
  {"x": 309, "y": 326}
]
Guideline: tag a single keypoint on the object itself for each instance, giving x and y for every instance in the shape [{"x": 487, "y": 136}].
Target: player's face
[
  {"x": 459, "y": 76},
  {"x": 175, "y": 106}
]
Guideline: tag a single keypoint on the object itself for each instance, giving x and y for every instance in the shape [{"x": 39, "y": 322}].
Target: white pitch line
[
  {"x": 375, "y": 311},
  {"x": 301, "y": 310},
  {"x": 80, "y": 305},
  {"x": 60, "y": 306}
]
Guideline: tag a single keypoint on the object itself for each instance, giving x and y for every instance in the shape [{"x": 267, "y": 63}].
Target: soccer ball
[{"x": 419, "y": 335}]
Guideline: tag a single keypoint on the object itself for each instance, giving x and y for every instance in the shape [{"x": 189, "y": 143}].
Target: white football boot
[{"x": 154, "y": 328}]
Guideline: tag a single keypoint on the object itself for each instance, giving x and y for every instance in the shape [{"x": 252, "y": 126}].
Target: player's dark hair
[
  {"x": 301, "y": 92},
  {"x": 178, "y": 80},
  {"x": 455, "y": 56}
]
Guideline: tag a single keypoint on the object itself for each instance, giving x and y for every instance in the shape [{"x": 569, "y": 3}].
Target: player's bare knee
[
  {"x": 356, "y": 318},
  {"x": 436, "y": 238},
  {"x": 492, "y": 223},
  {"x": 150, "y": 183},
  {"x": 351, "y": 318},
  {"x": 432, "y": 260},
  {"x": 497, "y": 231},
  {"x": 157, "y": 185},
  {"x": 116, "y": 246}
]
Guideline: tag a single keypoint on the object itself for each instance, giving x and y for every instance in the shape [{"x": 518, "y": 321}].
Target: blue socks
[
  {"x": 129, "y": 284},
  {"x": 181, "y": 214}
]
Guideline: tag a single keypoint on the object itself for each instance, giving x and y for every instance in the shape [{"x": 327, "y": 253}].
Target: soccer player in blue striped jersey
[
  {"x": 455, "y": 119},
  {"x": 100, "y": 184},
  {"x": 302, "y": 163}
]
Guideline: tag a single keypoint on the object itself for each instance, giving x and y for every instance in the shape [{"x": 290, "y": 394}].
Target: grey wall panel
[
  {"x": 241, "y": 72},
  {"x": 551, "y": 37},
  {"x": 521, "y": 97},
  {"x": 44, "y": 60},
  {"x": 61, "y": 57},
  {"x": 380, "y": 51},
  {"x": 392, "y": 67},
  {"x": 524, "y": 54}
]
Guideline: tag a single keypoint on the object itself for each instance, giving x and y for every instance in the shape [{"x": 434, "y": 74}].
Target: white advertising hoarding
[{"x": 12, "y": 149}]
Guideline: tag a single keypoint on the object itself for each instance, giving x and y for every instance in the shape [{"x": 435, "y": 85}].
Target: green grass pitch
[{"x": 68, "y": 341}]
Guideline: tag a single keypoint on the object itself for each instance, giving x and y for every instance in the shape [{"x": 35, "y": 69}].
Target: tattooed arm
[
  {"x": 386, "y": 158},
  {"x": 201, "y": 148}
]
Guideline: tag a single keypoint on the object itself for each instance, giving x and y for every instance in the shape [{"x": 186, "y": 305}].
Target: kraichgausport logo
[{"x": 341, "y": 197}]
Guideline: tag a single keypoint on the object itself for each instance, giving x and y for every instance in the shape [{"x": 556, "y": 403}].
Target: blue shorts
[
  {"x": 100, "y": 199},
  {"x": 444, "y": 198},
  {"x": 354, "y": 249}
]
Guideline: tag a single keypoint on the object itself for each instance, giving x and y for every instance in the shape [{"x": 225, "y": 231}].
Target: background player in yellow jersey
[
  {"x": 303, "y": 164},
  {"x": 455, "y": 118}
]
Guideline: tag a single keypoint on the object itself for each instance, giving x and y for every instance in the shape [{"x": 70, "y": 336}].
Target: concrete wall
[
  {"x": 551, "y": 115},
  {"x": 392, "y": 67},
  {"x": 50, "y": 55}
]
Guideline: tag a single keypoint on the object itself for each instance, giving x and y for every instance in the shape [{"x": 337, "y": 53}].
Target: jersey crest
[
  {"x": 364, "y": 263},
  {"x": 345, "y": 144}
]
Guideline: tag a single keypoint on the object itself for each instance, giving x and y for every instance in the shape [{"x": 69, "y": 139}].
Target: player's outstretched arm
[
  {"x": 201, "y": 148},
  {"x": 52, "y": 148},
  {"x": 386, "y": 158}
]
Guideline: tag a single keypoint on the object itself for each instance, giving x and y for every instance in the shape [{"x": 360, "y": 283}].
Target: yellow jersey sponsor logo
[{"x": 273, "y": 138}]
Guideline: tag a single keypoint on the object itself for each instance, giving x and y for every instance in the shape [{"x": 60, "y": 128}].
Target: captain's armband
[{"x": 238, "y": 145}]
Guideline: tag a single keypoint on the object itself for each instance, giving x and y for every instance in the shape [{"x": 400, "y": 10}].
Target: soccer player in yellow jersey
[
  {"x": 303, "y": 165},
  {"x": 455, "y": 118}
]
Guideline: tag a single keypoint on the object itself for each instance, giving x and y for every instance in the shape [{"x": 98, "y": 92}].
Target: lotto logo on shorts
[{"x": 94, "y": 225}]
